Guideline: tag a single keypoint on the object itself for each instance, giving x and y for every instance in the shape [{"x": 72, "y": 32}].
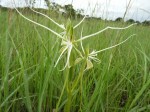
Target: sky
[{"x": 139, "y": 10}]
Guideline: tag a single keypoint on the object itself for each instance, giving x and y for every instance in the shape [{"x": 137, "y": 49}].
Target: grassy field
[{"x": 29, "y": 82}]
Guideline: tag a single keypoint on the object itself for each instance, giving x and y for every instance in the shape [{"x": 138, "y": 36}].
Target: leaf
[
  {"x": 89, "y": 65},
  {"x": 71, "y": 33},
  {"x": 69, "y": 30},
  {"x": 78, "y": 60},
  {"x": 62, "y": 49},
  {"x": 87, "y": 50}
]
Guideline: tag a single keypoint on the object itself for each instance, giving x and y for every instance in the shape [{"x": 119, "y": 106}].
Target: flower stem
[
  {"x": 62, "y": 92},
  {"x": 68, "y": 104},
  {"x": 76, "y": 81}
]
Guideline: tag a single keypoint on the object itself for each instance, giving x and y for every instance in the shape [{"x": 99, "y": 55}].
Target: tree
[
  {"x": 48, "y": 3},
  {"x": 70, "y": 11},
  {"x": 79, "y": 13},
  {"x": 130, "y": 21},
  {"x": 118, "y": 19},
  {"x": 138, "y": 22},
  {"x": 147, "y": 23}
]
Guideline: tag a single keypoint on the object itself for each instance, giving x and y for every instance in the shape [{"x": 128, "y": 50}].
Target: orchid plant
[
  {"x": 73, "y": 51},
  {"x": 69, "y": 42}
]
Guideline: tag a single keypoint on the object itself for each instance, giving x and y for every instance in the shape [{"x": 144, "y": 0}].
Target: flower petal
[
  {"x": 61, "y": 26},
  {"x": 79, "y": 22},
  {"x": 113, "y": 28},
  {"x": 40, "y": 25},
  {"x": 115, "y": 45},
  {"x": 68, "y": 58},
  {"x": 64, "y": 49}
]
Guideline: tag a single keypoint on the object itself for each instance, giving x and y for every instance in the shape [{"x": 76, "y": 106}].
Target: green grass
[{"x": 29, "y": 81}]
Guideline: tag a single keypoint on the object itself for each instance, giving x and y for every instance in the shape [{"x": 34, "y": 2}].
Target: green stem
[
  {"x": 79, "y": 80},
  {"x": 81, "y": 93},
  {"x": 68, "y": 104},
  {"x": 75, "y": 83},
  {"x": 66, "y": 81},
  {"x": 69, "y": 93}
]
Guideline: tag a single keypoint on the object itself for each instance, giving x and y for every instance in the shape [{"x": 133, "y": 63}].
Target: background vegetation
[{"x": 29, "y": 81}]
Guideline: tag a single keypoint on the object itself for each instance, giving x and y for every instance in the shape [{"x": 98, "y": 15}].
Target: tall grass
[{"x": 30, "y": 82}]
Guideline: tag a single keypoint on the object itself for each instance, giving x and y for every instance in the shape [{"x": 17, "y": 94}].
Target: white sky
[{"x": 109, "y": 9}]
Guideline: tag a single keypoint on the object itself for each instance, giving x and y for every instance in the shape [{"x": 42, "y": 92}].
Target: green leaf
[
  {"x": 61, "y": 50},
  {"x": 72, "y": 58},
  {"x": 78, "y": 60},
  {"x": 89, "y": 65},
  {"x": 87, "y": 50},
  {"x": 69, "y": 29}
]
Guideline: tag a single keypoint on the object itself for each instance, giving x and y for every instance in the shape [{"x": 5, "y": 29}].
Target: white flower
[
  {"x": 67, "y": 46},
  {"x": 93, "y": 55}
]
